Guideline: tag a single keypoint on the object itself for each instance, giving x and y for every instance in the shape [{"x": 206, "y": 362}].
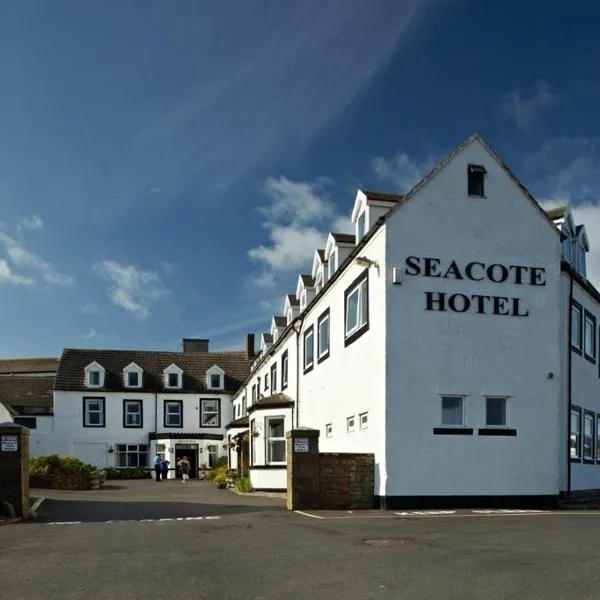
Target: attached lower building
[{"x": 454, "y": 335}]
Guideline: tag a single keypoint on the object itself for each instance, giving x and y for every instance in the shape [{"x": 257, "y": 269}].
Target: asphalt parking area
[
  {"x": 147, "y": 500},
  {"x": 277, "y": 554}
]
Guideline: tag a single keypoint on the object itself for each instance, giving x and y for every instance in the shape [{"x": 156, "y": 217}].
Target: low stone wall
[{"x": 346, "y": 480}]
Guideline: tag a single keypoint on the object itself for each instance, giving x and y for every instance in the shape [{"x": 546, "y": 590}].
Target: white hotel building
[{"x": 454, "y": 336}]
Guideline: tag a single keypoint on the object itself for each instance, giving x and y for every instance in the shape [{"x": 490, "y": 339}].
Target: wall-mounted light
[
  {"x": 363, "y": 261},
  {"x": 397, "y": 274}
]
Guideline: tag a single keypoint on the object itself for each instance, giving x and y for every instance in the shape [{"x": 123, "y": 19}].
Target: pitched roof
[
  {"x": 308, "y": 281},
  {"x": 344, "y": 238},
  {"x": 280, "y": 321},
  {"x": 70, "y": 374},
  {"x": 27, "y": 395},
  {"x": 321, "y": 253},
  {"x": 241, "y": 422},
  {"x": 28, "y": 365},
  {"x": 558, "y": 212},
  {"x": 274, "y": 401},
  {"x": 293, "y": 300},
  {"x": 383, "y": 196},
  {"x": 268, "y": 338}
]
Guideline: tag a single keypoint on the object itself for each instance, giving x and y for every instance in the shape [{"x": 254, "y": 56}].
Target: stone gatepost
[
  {"x": 14, "y": 469},
  {"x": 302, "y": 469}
]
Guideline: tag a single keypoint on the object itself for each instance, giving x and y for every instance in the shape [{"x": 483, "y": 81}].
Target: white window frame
[
  {"x": 332, "y": 263},
  {"x": 126, "y": 413},
  {"x": 309, "y": 333},
  {"x": 322, "y": 319},
  {"x": 213, "y": 371},
  {"x": 92, "y": 368},
  {"x": 302, "y": 299},
  {"x": 350, "y": 424},
  {"x": 361, "y": 223},
  {"x": 589, "y": 327},
  {"x": 493, "y": 398},
  {"x": 576, "y": 311},
  {"x": 177, "y": 403},
  {"x": 133, "y": 449},
  {"x": 173, "y": 369},
  {"x": 285, "y": 361},
  {"x": 363, "y": 420},
  {"x": 273, "y": 373},
  {"x": 588, "y": 417},
  {"x": 576, "y": 419},
  {"x": 362, "y": 308},
  {"x": 87, "y": 411},
  {"x": 328, "y": 430},
  {"x": 462, "y": 410},
  {"x": 211, "y": 413},
  {"x": 278, "y": 439}
]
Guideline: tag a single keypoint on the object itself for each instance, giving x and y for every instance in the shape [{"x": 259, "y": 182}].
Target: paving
[{"x": 252, "y": 548}]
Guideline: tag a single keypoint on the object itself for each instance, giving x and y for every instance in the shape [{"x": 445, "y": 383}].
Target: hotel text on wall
[{"x": 475, "y": 271}]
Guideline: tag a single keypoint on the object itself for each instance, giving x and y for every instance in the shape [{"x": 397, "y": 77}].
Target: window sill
[
  {"x": 452, "y": 431},
  {"x": 352, "y": 337},
  {"x": 591, "y": 359},
  {"x": 498, "y": 431},
  {"x": 309, "y": 368},
  {"x": 577, "y": 350},
  {"x": 589, "y": 461},
  {"x": 94, "y": 426},
  {"x": 133, "y": 427},
  {"x": 575, "y": 459},
  {"x": 323, "y": 357}
]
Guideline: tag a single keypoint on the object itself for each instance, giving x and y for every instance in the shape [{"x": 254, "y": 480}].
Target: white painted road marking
[{"x": 112, "y": 522}]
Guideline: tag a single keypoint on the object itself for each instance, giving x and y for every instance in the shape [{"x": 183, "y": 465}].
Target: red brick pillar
[
  {"x": 14, "y": 468},
  {"x": 302, "y": 468}
]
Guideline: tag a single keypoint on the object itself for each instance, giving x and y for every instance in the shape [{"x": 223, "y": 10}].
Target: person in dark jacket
[
  {"x": 164, "y": 468},
  {"x": 157, "y": 468}
]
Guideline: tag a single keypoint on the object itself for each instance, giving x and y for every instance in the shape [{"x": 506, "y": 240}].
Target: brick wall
[{"x": 346, "y": 480}]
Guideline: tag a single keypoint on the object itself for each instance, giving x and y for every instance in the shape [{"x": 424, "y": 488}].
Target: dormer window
[
  {"x": 289, "y": 316},
  {"x": 332, "y": 263},
  {"x": 360, "y": 227},
  {"x": 215, "y": 378},
  {"x": 303, "y": 300},
  {"x": 94, "y": 375},
  {"x": 173, "y": 377},
  {"x": 476, "y": 175},
  {"x": 132, "y": 376}
]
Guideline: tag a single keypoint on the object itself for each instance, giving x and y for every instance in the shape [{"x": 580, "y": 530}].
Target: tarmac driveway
[{"x": 139, "y": 500}]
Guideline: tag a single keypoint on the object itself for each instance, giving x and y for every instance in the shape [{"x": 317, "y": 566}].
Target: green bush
[
  {"x": 58, "y": 465},
  {"x": 243, "y": 484},
  {"x": 129, "y": 473},
  {"x": 220, "y": 477},
  {"x": 220, "y": 469}
]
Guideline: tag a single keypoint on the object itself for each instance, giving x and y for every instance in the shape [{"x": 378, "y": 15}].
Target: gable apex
[
  {"x": 474, "y": 138},
  {"x": 95, "y": 366}
]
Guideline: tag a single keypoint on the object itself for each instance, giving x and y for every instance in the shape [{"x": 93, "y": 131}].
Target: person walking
[
  {"x": 157, "y": 468},
  {"x": 164, "y": 467},
  {"x": 184, "y": 466}
]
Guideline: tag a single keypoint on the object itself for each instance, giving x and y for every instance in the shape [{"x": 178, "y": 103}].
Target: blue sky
[{"x": 167, "y": 169}]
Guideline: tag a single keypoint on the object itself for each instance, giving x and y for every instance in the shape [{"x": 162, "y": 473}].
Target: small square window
[
  {"x": 215, "y": 381},
  {"x": 350, "y": 424},
  {"x": 173, "y": 380},
  {"x": 328, "y": 430},
  {"x": 476, "y": 175},
  {"x": 94, "y": 377},
  {"x": 173, "y": 413},
  {"x": 495, "y": 412},
  {"x": 133, "y": 379},
  {"x": 452, "y": 410},
  {"x": 363, "y": 420}
]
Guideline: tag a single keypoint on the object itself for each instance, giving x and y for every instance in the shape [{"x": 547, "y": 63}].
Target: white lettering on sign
[
  {"x": 10, "y": 443},
  {"x": 301, "y": 445}
]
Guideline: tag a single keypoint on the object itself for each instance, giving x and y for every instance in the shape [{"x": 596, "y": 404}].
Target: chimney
[
  {"x": 195, "y": 345},
  {"x": 250, "y": 345}
]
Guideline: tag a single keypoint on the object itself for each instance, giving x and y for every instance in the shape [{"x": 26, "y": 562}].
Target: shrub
[
  {"x": 129, "y": 473},
  {"x": 220, "y": 477},
  {"x": 58, "y": 465},
  {"x": 243, "y": 484},
  {"x": 220, "y": 469}
]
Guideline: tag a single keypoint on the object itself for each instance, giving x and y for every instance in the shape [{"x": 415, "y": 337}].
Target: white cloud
[
  {"x": 524, "y": 109},
  {"x": 23, "y": 258},
  {"x": 131, "y": 288},
  {"x": 298, "y": 219},
  {"x": 31, "y": 223},
  {"x": 89, "y": 309},
  {"x": 92, "y": 333},
  {"x": 7, "y": 276},
  {"x": 400, "y": 170}
]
